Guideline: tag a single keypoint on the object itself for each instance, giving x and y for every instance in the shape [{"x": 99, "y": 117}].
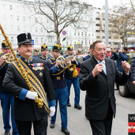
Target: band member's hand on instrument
[
  {"x": 74, "y": 58},
  {"x": 97, "y": 69},
  {"x": 31, "y": 95},
  {"x": 2, "y": 59},
  {"x": 57, "y": 63},
  {"x": 68, "y": 61},
  {"x": 52, "y": 111}
]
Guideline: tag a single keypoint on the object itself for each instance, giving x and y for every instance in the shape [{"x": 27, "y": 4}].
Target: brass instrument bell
[{"x": 9, "y": 57}]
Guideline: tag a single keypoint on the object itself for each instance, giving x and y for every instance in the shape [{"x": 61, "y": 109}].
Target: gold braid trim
[
  {"x": 38, "y": 86},
  {"x": 51, "y": 61},
  {"x": 33, "y": 76},
  {"x": 55, "y": 62},
  {"x": 37, "y": 83},
  {"x": 15, "y": 57},
  {"x": 4, "y": 64},
  {"x": 21, "y": 69},
  {"x": 60, "y": 71}
]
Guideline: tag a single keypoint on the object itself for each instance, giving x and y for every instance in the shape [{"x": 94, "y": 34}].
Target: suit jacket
[
  {"x": 13, "y": 83},
  {"x": 99, "y": 90}
]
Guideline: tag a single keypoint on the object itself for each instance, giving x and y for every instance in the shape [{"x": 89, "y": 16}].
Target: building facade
[{"x": 17, "y": 17}]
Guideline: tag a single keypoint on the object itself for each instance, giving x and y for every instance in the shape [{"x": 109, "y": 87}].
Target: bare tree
[
  {"x": 122, "y": 21},
  {"x": 132, "y": 4},
  {"x": 60, "y": 14}
]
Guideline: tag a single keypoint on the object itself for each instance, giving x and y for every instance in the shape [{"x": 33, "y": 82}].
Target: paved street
[{"x": 78, "y": 125}]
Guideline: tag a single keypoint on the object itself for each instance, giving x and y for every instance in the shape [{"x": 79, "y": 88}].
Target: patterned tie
[{"x": 104, "y": 67}]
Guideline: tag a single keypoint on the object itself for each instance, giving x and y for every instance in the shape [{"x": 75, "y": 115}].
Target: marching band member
[
  {"x": 36, "y": 53},
  {"x": 27, "y": 111},
  {"x": 72, "y": 78},
  {"x": 61, "y": 93},
  {"x": 44, "y": 52},
  {"x": 7, "y": 100}
]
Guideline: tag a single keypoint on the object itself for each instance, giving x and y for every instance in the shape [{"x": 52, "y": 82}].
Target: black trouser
[
  {"x": 40, "y": 127},
  {"x": 102, "y": 127}
]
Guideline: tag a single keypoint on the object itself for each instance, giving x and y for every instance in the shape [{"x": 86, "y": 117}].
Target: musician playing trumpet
[
  {"x": 57, "y": 69},
  {"x": 28, "y": 87},
  {"x": 71, "y": 75},
  {"x": 7, "y": 100}
]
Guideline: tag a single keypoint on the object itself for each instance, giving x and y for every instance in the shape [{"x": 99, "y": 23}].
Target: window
[
  {"x": 82, "y": 33},
  {"x": 12, "y": 39},
  {"x": 36, "y": 40},
  {"x": 36, "y": 29},
  {"x": 17, "y": 18},
  {"x": 97, "y": 18},
  {"x": 10, "y": 7},
  {"x": 41, "y": 30},
  {"x": 98, "y": 25},
  {"x": 41, "y": 40}
]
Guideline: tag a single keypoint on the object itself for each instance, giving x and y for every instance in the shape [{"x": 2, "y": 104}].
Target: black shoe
[
  {"x": 68, "y": 104},
  {"x": 65, "y": 131},
  {"x": 7, "y": 133},
  {"x": 52, "y": 125},
  {"x": 78, "y": 107}
]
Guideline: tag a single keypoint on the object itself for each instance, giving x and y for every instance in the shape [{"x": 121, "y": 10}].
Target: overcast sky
[{"x": 100, "y": 3}]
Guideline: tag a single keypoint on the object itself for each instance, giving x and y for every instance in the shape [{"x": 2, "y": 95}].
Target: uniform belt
[{"x": 57, "y": 77}]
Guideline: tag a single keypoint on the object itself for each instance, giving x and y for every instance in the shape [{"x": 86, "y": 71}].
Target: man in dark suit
[
  {"x": 28, "y": 87},
  {"x": 97, "y": 77}
]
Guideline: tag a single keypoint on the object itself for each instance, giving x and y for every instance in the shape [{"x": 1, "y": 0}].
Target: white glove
[
  {"x": 52, "y": 111},
  {"x": 31, "y": 95}
]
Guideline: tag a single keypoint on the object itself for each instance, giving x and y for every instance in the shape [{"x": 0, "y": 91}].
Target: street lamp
[{"x": 106, "y": 22}]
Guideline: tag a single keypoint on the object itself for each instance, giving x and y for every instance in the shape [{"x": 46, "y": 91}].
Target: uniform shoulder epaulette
[{"x": 1, "y": 53}]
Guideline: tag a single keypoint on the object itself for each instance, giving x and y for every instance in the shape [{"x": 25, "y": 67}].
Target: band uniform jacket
[
  {"x": 13, "y": 83},
  {"x": 3, "y": 69},
  {"x": 99, "y": 90},
  {"x": 56, "y": 73}
]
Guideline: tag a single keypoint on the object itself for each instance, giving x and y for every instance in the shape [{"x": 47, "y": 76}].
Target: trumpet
[
  {"x": 63, "y": 61},
  {"x": 9, "y": 57}
]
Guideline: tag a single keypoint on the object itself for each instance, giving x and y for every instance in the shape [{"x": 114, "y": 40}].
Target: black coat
[
  {"x": 99, "y": 90},
  {"x": 13, "y": 83}
]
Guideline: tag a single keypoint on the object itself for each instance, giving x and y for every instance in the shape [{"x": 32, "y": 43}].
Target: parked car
[{"x": 127, "y": 89}]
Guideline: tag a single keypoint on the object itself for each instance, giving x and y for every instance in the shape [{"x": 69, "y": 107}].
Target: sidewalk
[{"x": 77, "y": 123}]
